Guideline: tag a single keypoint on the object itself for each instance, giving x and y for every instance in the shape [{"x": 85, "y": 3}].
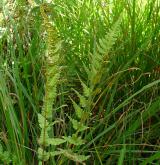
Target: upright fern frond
[
  {"x": 52, "y": 75},
  {"x": 95, "y": 72},
  {"x": 100, "y": 57}
]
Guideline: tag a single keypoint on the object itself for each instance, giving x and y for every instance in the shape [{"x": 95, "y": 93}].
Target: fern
[
  {"x": 100, "y": 57},
  {"x": 95, "y": 73},
  {"x": 83, "y": 109},
  {"x": 52, "y": 75}
]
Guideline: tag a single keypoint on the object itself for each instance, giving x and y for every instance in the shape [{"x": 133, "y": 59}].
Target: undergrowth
[{"x": 79, "y": 82}]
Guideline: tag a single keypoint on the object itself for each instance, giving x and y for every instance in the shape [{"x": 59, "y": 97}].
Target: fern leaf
[
  {"x": 86, "y": 89},
  {"x": 78, "y": 126},
  {"x": 83, "y": 100},
  {"x": 55, "y": 141},
  {"x": 43, "y": 139},
  {"x": 56, "y": 153},
  {"x": 78, "y": 109},
  {"x": 42, "y": 120},
  {"x": 74, "y": 140},
  {"x": 73, "y": 156},
  {"x": 100, "y": 49},
  {"x": 43, "y": 155}
]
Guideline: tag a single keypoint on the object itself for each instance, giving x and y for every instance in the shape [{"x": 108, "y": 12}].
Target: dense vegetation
[{"x": 79, "y": 82}]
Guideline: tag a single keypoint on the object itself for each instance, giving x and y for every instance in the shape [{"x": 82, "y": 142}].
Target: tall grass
[{"x": 106, "y": 109}]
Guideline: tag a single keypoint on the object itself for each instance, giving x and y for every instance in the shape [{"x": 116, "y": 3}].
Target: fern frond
[
  {"x": 52, "y": 76},
  {"x": 86, "y": 99},
  {"x": 100, "y": 56}
]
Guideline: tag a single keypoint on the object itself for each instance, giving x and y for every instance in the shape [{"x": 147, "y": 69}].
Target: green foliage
[
  {"x": 101, "y": 55},
  {"x": 73, "y": 156},
  {"x": 52, "y": 74},
  {"x": 78, "y": 126},
  {"x": 79, "y": 82},
  {"x": 5, "y": 156},
  {"x": 79, "y": 111},
  {"x": 43, "y": 155},
  {"x": 74, "y": 140}
]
